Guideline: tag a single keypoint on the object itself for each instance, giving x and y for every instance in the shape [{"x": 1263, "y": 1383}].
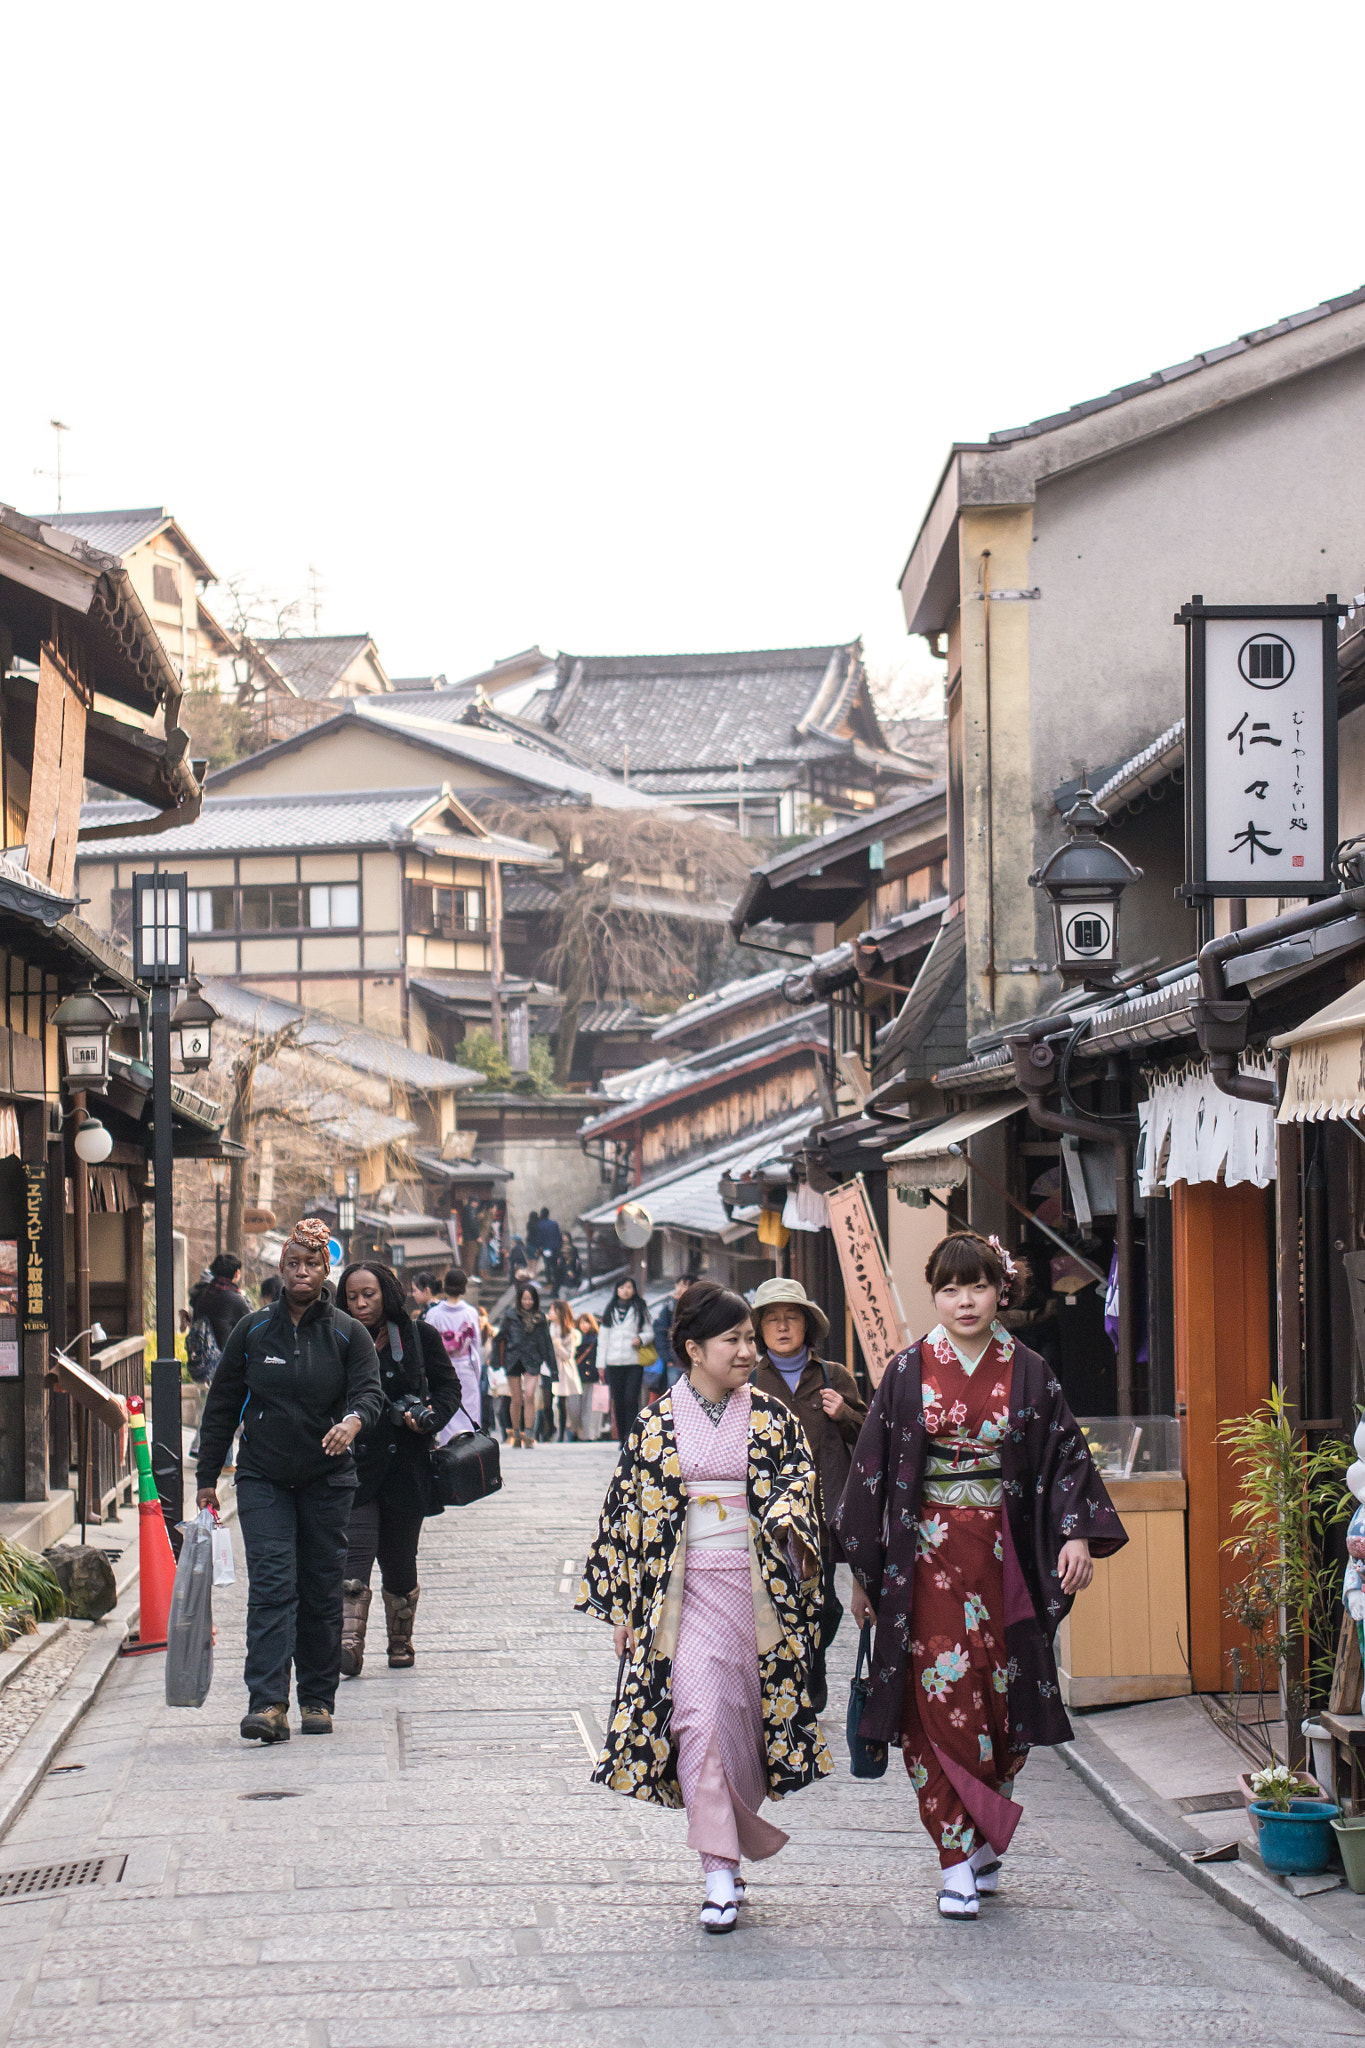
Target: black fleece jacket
[{"x": 288, "y": 1386}]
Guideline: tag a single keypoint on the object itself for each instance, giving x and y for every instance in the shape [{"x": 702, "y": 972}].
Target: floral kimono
[
  {"x": 636, "y": 1573},
  {"x": 966, "y": 1482}
]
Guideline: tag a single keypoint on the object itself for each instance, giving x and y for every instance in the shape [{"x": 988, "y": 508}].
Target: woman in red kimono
[{"x": 970, "y": 1518}]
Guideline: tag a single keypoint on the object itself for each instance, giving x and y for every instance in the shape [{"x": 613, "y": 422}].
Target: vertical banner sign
[
  {"x": 35, "y": 1310},
  {"x": 867, "y": 1282},
  {"x": 1261, "y": 748},
  {"x": 519, "y": 1035}
]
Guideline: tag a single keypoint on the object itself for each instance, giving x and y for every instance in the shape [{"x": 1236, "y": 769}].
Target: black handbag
[
  {"x": 865, "y": 1759},
  {"x": 466, "y": 1468}
]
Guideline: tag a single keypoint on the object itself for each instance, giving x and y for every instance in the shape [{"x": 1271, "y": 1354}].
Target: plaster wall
[
  {"x": 1257, "y": 502},
  {"x": 359, "y": 756},
  {"x": 553, "y": 1171}
]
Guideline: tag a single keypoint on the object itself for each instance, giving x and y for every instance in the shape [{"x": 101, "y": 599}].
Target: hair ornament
[{"x": 1011, "y": 1270}]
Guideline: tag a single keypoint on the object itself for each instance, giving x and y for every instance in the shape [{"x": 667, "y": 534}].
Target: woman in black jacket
[
  {"x": 525, "y": 1350},
  {"x": 393, "y": 1462}
]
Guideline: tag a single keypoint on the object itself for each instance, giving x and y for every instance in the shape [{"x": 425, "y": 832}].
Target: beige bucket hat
[{"x": 782, "y": 1293}]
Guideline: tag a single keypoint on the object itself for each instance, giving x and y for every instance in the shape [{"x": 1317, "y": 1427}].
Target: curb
[
  {"x": 1333, "y": 1959},
  {"x": 34, "y": 1754}
]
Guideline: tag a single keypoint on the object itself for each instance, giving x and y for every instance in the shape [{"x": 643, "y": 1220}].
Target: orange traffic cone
[{"x": 156, "y": 1563}]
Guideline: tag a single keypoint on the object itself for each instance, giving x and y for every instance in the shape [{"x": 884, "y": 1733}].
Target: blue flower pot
[{"x": 1299, "y": 1841}]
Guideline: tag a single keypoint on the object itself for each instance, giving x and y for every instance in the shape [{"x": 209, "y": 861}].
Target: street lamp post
[{"x": 160, "y": 944}]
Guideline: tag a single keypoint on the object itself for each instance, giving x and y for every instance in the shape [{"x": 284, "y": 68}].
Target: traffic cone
[{"x": 156, "y": 1564}]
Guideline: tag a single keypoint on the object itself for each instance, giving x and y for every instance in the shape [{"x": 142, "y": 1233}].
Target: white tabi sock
[
  {"x": 985, "y": 1854},
  {"x": 959, "y": 1878},
  {"x": 720, "y": 1887}
]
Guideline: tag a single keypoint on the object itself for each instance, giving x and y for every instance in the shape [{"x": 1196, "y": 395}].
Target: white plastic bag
[
  {"x": 189, "y": 1633},
  {"x": 224, "y": 1570}
]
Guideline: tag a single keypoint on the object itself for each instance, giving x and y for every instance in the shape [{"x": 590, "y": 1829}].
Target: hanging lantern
[
  {"x": 192, "y": 1022},
  {"x": 1084, "y": 881},
  {"x": 83, "y": 1022}
]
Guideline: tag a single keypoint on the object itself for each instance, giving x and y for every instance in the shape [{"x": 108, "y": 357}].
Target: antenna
[
  {"x": 59, "y": 427},
  {"x": 316, "y": 587}
]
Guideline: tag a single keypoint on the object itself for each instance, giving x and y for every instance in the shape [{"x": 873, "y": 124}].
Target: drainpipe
[
  {"x": 1222, "y": 1020},
  {"x": 1035, "y": 1070}
]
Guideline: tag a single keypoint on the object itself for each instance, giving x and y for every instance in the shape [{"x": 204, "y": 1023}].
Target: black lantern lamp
[
  {"x": 192, "y": 1021},
  {"x": 83, "y": 1022},
  {"x": 1084, "y": 880},
  {"x": 346, "y": 1208},
  {"x": 160, "y": 928}
]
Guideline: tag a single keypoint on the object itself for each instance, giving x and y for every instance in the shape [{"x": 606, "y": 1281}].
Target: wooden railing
[{"x": 119, "y": 1367}]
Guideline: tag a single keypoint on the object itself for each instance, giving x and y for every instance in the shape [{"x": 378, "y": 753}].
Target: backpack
[{"x": 202, "y": 1351}]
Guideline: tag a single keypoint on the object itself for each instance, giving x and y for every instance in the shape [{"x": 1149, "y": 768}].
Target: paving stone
[{"x": 448, "y": 1877}]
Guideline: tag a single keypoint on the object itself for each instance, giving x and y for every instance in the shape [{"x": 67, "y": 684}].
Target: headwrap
[{"x": 310, "y": 1232}]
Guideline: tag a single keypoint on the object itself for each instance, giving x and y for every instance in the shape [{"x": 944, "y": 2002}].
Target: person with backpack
[
  {"x": 825, "y": 1399},
  {"x": 422, "y": 1391},
  {"x": 302, "y": 1381},
  {"x": 457, "y": 1326},
  {"x": 217, "y": 1305}
]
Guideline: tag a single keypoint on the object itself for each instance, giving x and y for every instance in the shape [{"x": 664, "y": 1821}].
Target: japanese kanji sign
[
  {"x": 867, "y": 1283},
  {"x": 1261, "y": 755}
]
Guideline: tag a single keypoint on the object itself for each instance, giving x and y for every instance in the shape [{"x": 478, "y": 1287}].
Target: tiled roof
[
  {"x": 1254, "y": 339},
  {"x": 445, "y": 706},
  {"x": 264, "y": 824},
  {"x": 367, "y": 1052},
  {"x": 118, "y": 533},
  {"x": 315, "y": 666},
  {"x": 688, "y": 1198},
  {"x": 731, "y": 995},
  {"x": 544, "y": 772},
  {"x": 931, "y": 1030},
  {"x": 607, "y": 1017},
  {"x": 662, "y": 1078},
  {"x": 762, "y": 781},
  {"x": 690, "y": 711}
]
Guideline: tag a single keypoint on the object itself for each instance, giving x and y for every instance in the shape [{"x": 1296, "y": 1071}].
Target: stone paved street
[{"x": 441, "y": 1872}]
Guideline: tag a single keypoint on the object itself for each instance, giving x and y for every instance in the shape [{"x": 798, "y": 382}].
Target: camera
[{"x": 412, "y": 1405}]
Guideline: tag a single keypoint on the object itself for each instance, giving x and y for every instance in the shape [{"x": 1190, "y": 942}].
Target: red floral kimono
[
  {"x": 966, "y": 1483},
  {"x": 955, "y": 1724}
]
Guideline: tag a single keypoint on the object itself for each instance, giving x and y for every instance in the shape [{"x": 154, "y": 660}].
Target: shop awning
[
  {"x": 928, "y": 1162},
  {"x": 1326, "y": 1062}
]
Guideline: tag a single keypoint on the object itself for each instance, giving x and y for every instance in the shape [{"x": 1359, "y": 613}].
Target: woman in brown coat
[{"x": 826, "y": 1401}]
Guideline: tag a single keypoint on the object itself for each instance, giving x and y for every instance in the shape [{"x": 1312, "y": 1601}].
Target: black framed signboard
[{"x": 1260, "y": 748}]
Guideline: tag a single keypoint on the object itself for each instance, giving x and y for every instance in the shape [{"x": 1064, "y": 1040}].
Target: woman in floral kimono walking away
[
  {"x": 707, "y": 1564},
  {"x": 970, "y": 1518}
]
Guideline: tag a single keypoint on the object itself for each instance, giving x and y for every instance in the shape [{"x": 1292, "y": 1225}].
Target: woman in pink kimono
[{"x": 707, "y": 1564}]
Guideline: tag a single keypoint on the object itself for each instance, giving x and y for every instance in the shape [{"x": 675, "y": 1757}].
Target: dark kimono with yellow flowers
[{"x": 633, "y": 1575}]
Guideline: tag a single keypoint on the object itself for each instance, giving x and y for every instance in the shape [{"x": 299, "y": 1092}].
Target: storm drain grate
[
  {"x": 1211, "y": 1802},
  {"x": 270, "y": 1795},
  {"x": 60, "y": 1877}
]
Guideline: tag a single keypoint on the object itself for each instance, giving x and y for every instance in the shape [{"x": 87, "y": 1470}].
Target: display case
[
  {"x": 1127, "y": 1636},
  {"x": 1133, "y": 1446}
]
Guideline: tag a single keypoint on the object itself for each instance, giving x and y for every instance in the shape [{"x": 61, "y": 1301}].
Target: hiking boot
[
  {"x": 355, "y": 1612},
  {"x": 400, "y": 1613},
  {"x": 266, "y": 1724},
  {"x": 315, "y": 1720}
]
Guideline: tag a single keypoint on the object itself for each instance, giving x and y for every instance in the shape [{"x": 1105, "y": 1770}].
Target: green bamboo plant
[
  {"x": 1290, "y": 1494},
  {"x": 29, "y": 1592}
]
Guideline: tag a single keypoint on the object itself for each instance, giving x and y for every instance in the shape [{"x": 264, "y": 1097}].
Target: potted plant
[
  {"x": 1295, "y": 1834},
  {"x": 1289, "y": 1495}
]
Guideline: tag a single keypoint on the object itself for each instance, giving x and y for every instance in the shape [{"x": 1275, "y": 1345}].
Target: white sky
[{"x": 625, "y": 328}]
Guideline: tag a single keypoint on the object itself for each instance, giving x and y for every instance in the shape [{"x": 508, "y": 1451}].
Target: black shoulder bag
[{"x": 466, "y": 1467}]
